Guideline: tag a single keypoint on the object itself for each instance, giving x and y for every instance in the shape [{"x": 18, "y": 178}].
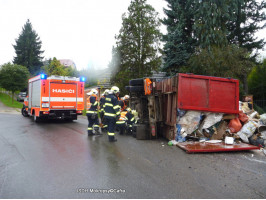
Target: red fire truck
[{"x": 54, "y": 97}]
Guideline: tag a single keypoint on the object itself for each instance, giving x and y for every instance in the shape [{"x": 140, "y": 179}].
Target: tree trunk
[
  {"x": 12, "y": 97},
  {"x": 245, "y": 84}
]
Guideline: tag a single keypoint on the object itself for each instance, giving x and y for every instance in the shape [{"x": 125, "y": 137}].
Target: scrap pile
[{"x": 248, "y": 126}]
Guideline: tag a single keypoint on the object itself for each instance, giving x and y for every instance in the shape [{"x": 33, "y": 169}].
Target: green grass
[{"x": 6, "y": 100}]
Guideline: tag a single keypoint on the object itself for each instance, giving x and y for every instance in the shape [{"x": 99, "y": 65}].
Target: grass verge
[{"x": 7, "y": 101}]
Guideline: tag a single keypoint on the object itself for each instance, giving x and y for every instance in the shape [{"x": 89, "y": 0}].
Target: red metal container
[
  {"x": 196, "y": 92},
  {"x": 207, "y": 93}
]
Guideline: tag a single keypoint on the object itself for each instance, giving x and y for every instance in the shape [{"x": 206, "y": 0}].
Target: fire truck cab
[{"x": 54, "y": 97}]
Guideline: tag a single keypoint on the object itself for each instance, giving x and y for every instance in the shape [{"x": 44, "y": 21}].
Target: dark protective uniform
[
  {"x": 121, "y": 123},
  {"x": 111, "y": 114},
  {"x": 92, "y": 114},
  {"x": 130, "y": 121},
  {"x": 102, "y": 102},
  {"x": 123, "y": 105}
]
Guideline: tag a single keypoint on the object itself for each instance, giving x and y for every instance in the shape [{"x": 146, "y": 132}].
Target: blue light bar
[
  {"x": 82, "y": 79},
  {"x": 43, "y": 76}
]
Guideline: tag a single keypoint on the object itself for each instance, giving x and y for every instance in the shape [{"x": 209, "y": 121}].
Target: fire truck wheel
[
  {"x": 36, "y": 119},
  {"x": 24, "y": 112},
  {"x": 135, "y": 82}
]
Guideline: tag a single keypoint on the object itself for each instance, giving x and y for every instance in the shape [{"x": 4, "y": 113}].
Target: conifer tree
[
  {"x": 28, "y": 49},
  {"x": 249, "y": 16},
  {"x": 210, "y": 25},
  {"x": 138, "y": 43},
  {"x": 180, "y": 39}
]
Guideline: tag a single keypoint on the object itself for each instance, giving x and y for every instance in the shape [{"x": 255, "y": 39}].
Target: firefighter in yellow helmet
[
  {"x": 111, "y": 112},
  {"x": 92, "y": 112}
]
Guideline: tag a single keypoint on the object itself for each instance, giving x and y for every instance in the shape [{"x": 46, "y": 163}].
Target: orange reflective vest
[
  {"x": 89, "y": 102},
  {"x": 123, "y": 116}
]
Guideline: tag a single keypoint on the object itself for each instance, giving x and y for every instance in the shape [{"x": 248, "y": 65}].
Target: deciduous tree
[
  {"x": 14, "y": 77},
  {"x": 257, "y": 81},
  {"x": 229, "y": 61},
  {"x": 56, "y": 68}
]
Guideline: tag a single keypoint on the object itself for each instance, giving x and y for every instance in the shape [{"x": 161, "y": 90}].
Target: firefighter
[
  {"x": 111, "y": 112},
  {"x": 102, "y": 102},
  {"x": 130, "y": 120},
  {"x": 124, "y": 102},
  {"x": 121, "y": 123},
  {"x": 92, "y": 112}
]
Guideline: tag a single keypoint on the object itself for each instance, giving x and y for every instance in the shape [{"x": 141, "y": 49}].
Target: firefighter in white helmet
[
  {"x": 111, "y": 112},
  {"x": 124, "y": 102},
  {"x": 92, "y": 112}
]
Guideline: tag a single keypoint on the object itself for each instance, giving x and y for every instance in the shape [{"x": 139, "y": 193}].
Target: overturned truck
[{"x": 158, "y": 101}]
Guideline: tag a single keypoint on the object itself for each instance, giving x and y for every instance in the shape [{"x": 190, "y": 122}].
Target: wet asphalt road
[{"x": 58, "y": 160}]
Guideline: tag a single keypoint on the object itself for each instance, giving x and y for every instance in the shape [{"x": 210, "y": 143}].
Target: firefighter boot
[
  {"x": 104, "y": 129},
  {"x": 97, "y": 130},
  {"x": 112, "y": 138},
  {"x": 129, "y": 130},
  {"x": 90, "y": 133}
]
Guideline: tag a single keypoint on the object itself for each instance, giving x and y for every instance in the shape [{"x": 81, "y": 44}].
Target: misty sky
[{"x": 80, "y": 30}]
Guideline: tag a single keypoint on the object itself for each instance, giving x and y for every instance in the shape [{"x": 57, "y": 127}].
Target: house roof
[{"x": 68, "y": 63}]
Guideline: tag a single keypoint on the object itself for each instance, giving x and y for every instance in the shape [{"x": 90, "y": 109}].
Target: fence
[{"x": 261, "y": 103}]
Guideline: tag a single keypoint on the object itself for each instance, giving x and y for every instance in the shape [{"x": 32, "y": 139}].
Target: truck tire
[
  {"x": 127, "y": 88},
  {"x": 36, "y": 119},
  {"x": 136, "y": 82},
  {"x": 136, "y": 88},
  {"x": 24, "y": 112}
]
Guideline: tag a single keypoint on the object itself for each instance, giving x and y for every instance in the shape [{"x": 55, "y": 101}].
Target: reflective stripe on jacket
[
  {"x": 94, "y": 104},
  {"x": 123, "y": 118},
  {"x": 130, "y": 117},
  {"x": 111, "y": 107}
]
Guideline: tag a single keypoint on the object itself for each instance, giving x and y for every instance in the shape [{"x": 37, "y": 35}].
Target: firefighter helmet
[
  {"x": 115, "y": 89},
  {"x": 106, "y": 92},
  {"x": 126, "y": 97},
  {"x": 94, "y": 91}
]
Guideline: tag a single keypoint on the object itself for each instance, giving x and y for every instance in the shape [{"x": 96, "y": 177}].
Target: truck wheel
[
  {"x": 135, "y": 82},
  {"x": 127, "y": 88},
  {"x": 24, "y": 112},
  {"x": 136, "y": 88},
  {"x": 36, "y": 119}
]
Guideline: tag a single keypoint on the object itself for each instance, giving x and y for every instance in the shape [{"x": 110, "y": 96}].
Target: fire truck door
[{"x": 63, "y": 96}]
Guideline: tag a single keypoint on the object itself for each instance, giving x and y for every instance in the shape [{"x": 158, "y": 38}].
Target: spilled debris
[{"x": 228, "y": 131}]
